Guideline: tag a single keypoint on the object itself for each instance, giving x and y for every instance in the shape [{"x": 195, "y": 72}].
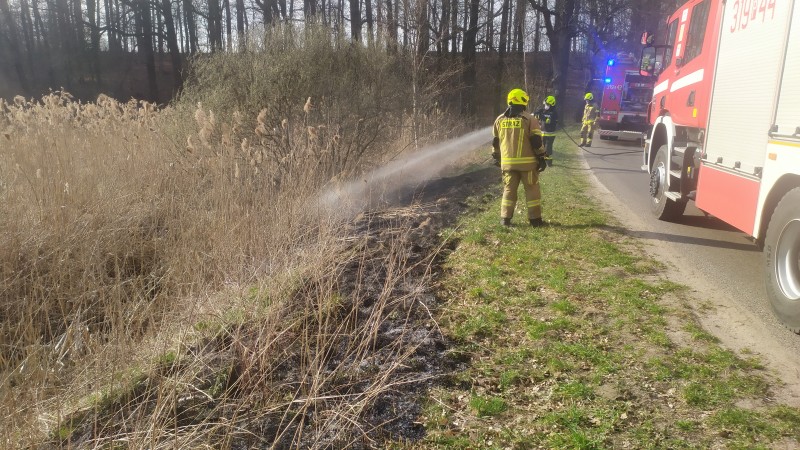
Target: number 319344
[{"x": 746, "y": 12}]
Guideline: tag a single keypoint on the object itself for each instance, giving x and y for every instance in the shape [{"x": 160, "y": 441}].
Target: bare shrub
[{"x": 358, "y": 103}]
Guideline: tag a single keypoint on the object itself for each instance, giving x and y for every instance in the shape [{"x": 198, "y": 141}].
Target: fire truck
[
  {"x": 725, "y": 118},
  {"x": 626, "y": 95}
]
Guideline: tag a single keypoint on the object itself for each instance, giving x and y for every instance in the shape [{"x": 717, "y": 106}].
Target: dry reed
[{"x": 156, "y": 279}]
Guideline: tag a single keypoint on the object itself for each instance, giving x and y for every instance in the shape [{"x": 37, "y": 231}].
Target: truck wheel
[
  {"x": 662, "y": 206},
  {"x": 782, "y": 260}
]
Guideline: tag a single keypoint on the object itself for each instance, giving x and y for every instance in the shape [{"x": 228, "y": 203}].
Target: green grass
[
  {"x": 567, "y": 330},
  {"x": 488, "y": 406}
]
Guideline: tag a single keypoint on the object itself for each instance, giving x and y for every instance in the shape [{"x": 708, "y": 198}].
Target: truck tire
[
  {"x": 661, "y": 206},
  {"x": 782, "y": 260}
]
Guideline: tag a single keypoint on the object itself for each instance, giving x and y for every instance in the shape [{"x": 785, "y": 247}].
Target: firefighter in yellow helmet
[
  {"x": 589, "y": 117},
  {"x": 548, "y": 119},
  {"x": 517, "y": 149}
]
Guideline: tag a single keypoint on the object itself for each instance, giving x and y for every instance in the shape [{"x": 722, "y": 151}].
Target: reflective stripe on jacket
[
  {"x": 515, "y": 134},
  {"x": 589, "y": 113}
]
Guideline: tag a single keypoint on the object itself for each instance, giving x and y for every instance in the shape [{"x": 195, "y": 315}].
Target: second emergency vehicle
[{"x": 626, "y": 95}]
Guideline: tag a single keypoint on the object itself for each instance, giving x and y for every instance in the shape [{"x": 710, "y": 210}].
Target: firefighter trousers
[
  {"x": 548, "y": 147},
  {"x": 533, "y": 194},
  {"x": 587, "y": 131}
]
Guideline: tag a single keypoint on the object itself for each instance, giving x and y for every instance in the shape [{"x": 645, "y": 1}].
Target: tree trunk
[
  {"x": 158, "y": 39},
  {"x": 470, "y": 44},
  {"x": 37, "y": 18},
  {"x": 27, "y": 33},
  {"x": 144, "y": 33},
  {"x": 370, "y": 20},
  {"x": 15, "y": 50},
  {"x": 559, "y": 29},
  {"x": 228, "y": 30},
  {"x": 214, "y": 25},
  {"x": 309, "y": 9},
  {"x": 520, "y": 26},
  {"x": 490, "y": 26},
  {"x": 502, "y": 46},
  {"x": 240, "y": 33},
  {"x": 444, "y": 28},
  {"x": 94, "y": 38},
  {"x": 454, "y": 26},
  {"x": 355, "y": 20},
  {"x": 391, "y": 28},
  {"x": 423, "y": 28},
  {"x": 191, "y": 25},
  {"x": 537, "y": 34},
  {"x": 379, "y": 23},
  {"x": 172, "y": 45},
  {"x": 77, "y": 15},
  {"x": 66, "y": 40}
]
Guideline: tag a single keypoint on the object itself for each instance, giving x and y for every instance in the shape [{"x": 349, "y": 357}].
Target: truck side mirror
[
  {"x": 678, "y": 62},
  {"x": 647, "y": 38}
]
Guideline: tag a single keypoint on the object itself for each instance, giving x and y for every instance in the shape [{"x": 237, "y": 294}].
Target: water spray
[{"x": 409, "y": 171}]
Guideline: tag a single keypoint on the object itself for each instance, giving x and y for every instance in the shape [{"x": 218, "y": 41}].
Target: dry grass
[{"x": 144, "y": 253}]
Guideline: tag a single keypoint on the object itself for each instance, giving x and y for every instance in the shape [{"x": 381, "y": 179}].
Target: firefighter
[
  {"x": 548, "y": 118},
  {"x": 517, "y": 150},
  {"x": 589, "y": 117}
]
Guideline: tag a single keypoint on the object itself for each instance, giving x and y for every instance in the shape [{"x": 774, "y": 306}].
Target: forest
[{"x": 144, "y": 48}]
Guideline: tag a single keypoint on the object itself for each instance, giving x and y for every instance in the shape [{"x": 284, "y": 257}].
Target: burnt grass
[{"x": 377, "y": 375}]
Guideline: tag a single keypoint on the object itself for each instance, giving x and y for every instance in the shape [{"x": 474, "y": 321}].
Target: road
[{"x": 720, "y": 263}]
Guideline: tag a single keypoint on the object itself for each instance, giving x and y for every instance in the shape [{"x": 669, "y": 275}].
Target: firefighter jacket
[
  {"x": 590, "y": 113},
  {"x": 548, "y": 118},
  {"x": 514, "y": 134}
]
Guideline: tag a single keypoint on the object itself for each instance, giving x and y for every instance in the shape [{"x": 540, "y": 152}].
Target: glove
[
  {"x": 542, "y": 163},
  {"x": 496, "y": 157}
]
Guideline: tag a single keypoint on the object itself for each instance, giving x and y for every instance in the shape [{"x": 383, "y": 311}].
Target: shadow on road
[
  {"x": 668, "y": 237},
  {"x": 707, "y": 222},
  {"x": 660, "y": 236}
]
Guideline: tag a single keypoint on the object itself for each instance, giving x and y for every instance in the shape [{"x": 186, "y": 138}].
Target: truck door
[{"x": 691, "y": 72}]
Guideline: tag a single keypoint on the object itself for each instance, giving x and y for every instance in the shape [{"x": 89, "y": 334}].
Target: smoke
[{"x": 408, "y": 172}]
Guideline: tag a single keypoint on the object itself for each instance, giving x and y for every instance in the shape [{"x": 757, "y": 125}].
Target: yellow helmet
[
  {"x": 588, "y": 96},
  {"x": 518, "y": 97},
  {"x": 550, "y": 100}
]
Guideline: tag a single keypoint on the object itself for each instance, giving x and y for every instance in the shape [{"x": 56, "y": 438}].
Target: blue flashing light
[
  {"x": 610, "y": 62},
  {"x": 607, "y": 80}
]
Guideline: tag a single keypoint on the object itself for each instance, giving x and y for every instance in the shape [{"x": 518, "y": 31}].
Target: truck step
[
  {"x": 673, "y": 195},
  {"x": 675, "y": 173}
]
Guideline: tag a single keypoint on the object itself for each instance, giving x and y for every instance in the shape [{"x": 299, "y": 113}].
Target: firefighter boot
[
  {"x": 506, "y": 221},
  {"x": 588, "y": 144},
  {"x": 536, "y": 222}
]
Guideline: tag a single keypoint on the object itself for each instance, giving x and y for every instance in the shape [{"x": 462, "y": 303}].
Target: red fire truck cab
[
  {"x": 626, "y": 95},
  {"x": 725, "y": 119}
]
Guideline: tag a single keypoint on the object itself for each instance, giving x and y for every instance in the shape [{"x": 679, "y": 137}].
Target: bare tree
[
  {"x": 561, "y": 27},
  {"x": 13, "y": 37}
]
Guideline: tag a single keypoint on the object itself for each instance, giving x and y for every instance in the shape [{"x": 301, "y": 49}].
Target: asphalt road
[{"x": 720, "y": 262}]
